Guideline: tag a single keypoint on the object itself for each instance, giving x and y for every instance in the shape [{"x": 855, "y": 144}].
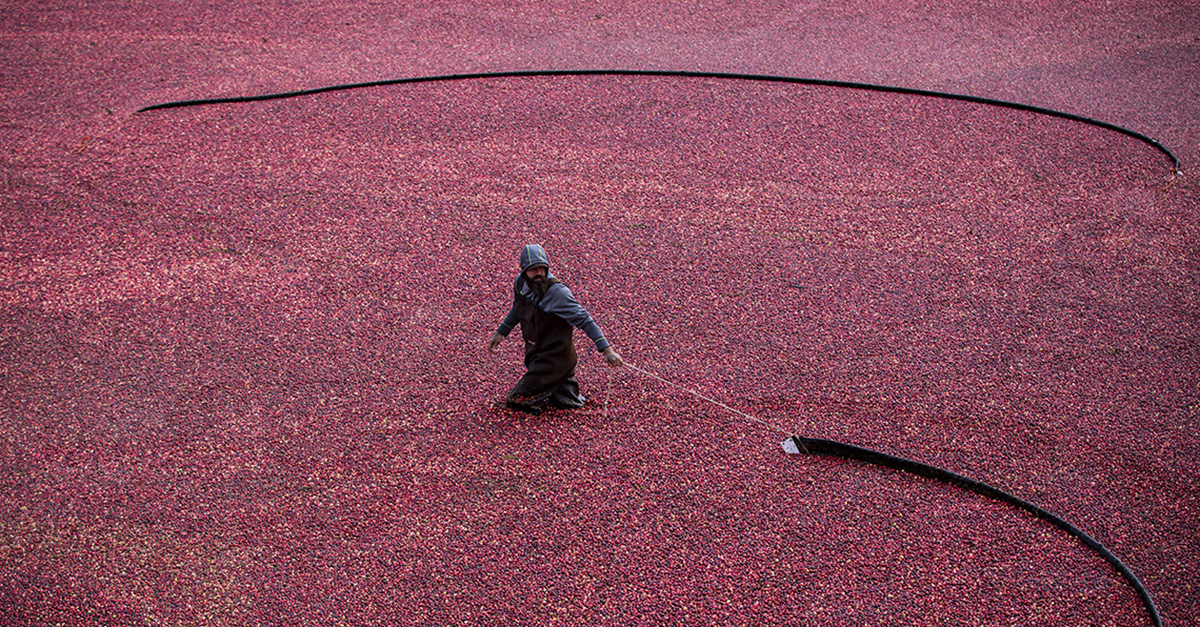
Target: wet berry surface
[{"x": 245, "y": 380}]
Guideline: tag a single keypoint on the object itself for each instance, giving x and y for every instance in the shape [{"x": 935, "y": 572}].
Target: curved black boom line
[
  {"x": 1175, "y": 167},
  {"x": 819, "y": 446},
  {"x": 814, "y": 446}
]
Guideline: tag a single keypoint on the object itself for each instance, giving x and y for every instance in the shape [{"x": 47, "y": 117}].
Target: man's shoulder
[
  {"x": 557, "y": 296},
  {"x": 558, "y": 287}
]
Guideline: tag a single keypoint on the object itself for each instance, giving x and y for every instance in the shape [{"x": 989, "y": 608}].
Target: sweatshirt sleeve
[
  {"x": 509, "y": 322},
  {"x": 561, "y": 302}
]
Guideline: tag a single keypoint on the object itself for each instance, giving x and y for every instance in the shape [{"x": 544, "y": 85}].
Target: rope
[
  {"x": 608, "y": 392},
  {"x": 743, "y": 414},
  {"x": 711, "y": 400}
]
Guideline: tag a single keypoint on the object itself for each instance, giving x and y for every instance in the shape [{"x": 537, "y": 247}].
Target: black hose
[
  {"x": 819, "y": 446},
  {"x": 814, "y": 446},
  {"x": 1175, "y": 167}
]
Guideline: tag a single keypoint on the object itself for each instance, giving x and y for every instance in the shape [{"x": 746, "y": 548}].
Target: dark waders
[{"x": 550, "y": 360}]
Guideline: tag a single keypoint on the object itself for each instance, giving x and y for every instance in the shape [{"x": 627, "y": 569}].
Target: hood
[{"x": 532, "y": 256}]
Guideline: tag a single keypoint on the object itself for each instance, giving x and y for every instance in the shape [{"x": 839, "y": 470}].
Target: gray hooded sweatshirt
[{"x": 557, "y": 301}]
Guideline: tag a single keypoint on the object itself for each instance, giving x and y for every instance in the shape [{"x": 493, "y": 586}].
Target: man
[{"x": 548, "y": 315}]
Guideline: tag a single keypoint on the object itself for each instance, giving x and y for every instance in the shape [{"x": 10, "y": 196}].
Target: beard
[{"x": 539, "y": 285}]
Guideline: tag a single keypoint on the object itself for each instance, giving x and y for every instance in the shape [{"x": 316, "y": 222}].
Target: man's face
[{"x": 536, "y": 274}]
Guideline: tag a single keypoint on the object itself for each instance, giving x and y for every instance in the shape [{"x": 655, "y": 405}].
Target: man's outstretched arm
[{"x": 506, "y": 327}]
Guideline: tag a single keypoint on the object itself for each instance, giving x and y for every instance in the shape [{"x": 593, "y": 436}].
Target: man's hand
[
  {"x": 612, "y": 358},
  {"x": 494, "y": 342}
]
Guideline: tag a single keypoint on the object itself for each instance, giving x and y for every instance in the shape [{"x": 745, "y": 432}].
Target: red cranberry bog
[{"x": 245, "y": 383}]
